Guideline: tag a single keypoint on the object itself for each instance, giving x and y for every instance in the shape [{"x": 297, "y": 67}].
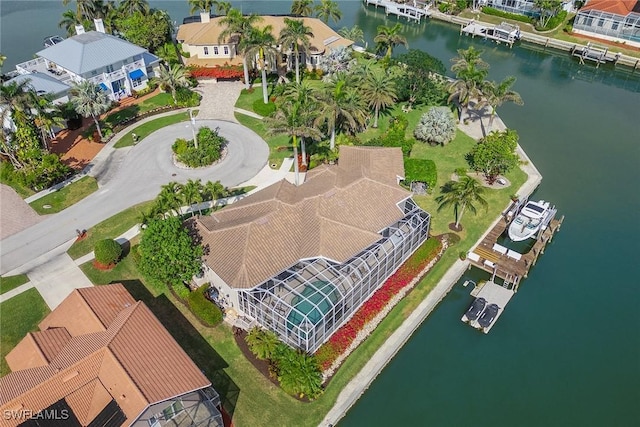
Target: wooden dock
[
  {"x": 506, "y": 264},
  {"x": 493, "y": 294},
  {"x": 412, "y": 10},
  {"x": 594, "y": 53},
  {"x": 503, "y": 33}
]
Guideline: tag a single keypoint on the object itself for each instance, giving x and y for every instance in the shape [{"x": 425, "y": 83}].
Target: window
[
  {"x": 600, "y": 22},
  {"x": 136, "y": 82},
  {"x": 614, "y": 25},
  {"x": 110, "y": 68},
  {"x": 226, "y": 50},
  {"x": 172, "y": 410},
  {"x": 206, "y": 50},
  {"x": 215, "y": 50}
]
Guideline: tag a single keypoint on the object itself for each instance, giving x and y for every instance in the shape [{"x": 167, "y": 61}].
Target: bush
[
  {"x": 503, "y": 14},
  {"x": 225, "y": 72},
  {"x": 107, "y": 251},
  {"x": 209, "y": 150},
  {"x": 181, "y": 290},
  {"x": 395, "y": 136},
  {"x": 259, "y": 107},
  {"x": 185, "y": 97},
  {"x": 298, "y": 372},
  {"x": 209, "y": 313},
  {"x": 180, "y": 146},
  {"x": 436, "y": 126},
  {"x": 554, "y": 21},
  {"x": 42, "y": 172},
  {"x": 422, "y": 170}
]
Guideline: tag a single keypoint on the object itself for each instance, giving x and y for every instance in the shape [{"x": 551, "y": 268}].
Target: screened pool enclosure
[
  {"x": 307, "y": 302},
  {"x": 610, "y": 24}
]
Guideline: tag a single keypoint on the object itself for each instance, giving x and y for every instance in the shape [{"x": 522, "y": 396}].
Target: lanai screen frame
[
  {"x": 271, "y": 302},
  {"x": 630, "y": 22}
]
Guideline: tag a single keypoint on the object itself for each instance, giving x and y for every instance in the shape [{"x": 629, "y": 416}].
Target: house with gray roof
[
  {"x": 45, "y": 84},
  {"x": 114, "y": 64}
]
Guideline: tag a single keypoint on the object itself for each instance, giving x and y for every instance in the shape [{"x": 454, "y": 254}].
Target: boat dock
[
  {"x": 504, "y": 263},
  {"x": 503, "y": 33},
  {"x": 412, "y": 9},
  {"x": 492, "y": 294},
  {"x": 597, "y": 54}
]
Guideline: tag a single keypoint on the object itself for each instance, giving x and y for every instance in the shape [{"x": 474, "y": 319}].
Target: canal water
[{"x": 567, "y": 349}]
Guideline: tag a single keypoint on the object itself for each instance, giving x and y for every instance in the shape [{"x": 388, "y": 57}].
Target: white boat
[
  {"x": 51, "y": 40},
  {"x": 529, "y": 220}
]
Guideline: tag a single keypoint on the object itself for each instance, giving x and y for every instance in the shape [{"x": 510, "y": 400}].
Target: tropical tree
[
  {"x": 17, "y": 101},
  {"x": 302, "y": 7},
  {"x": 295, "y": 119},
  {"x": 69, "y": 21},
  {"x": 132, "y": 6},
  {"x": 192, "y": 193},
  {"x": 149, "y": 30},
  {"x": 46, "y": 117},
  {"x": 222, "y": 7},
  {"x": 354, "y": 33},
  {"x": 298, "y": 35},
  {"x": 378, "y": 90},
  {"x": 200, "y": 5},
  {"x": 298, "y": 372},
  {"x": 421, "y": 81},
  {"x": 340, "y": 106},
  {"x": 214, "y": 190},
  {"x": 303, "y": 94},
  {"x": 495, "y": 154},
  {"x": 170, "y": 199},
  {"x": 86, "y": 9},
  {"x": 328, "y": 9},
  {"x": 260, "y": 43},
  {"x": 262, "y": 343},
  {"x": 173, "y": 77},
  {"x": 495, "y": 94},
  {"x": 90, "y": 101},
  {"x": 436, "y": 126},
  {"x": 388, "y": 38},
  {"x": 468, "y": 60},
  {"x": 461, "y": 195},
  {"x": 168, "y": 253},
  {"x": 238, "y": 25},
  {"x": 548, "y": 8},
  {"x": 471, "y": 71}
]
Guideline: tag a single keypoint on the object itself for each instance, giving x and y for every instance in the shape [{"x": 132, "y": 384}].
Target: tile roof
[
  {"x": 336, "y": 213},
  {"x": 207, "y": 34},
  {"x": 134, "y": 360},
  {"x": 90, "y": 51},
  {"x": 618, "y": 7}
]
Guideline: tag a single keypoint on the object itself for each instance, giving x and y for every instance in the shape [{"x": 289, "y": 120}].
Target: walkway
[{"x": 218, "y": 100}]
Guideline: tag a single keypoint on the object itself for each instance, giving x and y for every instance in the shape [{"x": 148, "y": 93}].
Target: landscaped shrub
[
  {"x": 343, "y": 337},
  {"x": 422, "y": 170},
  {"x": 298, "y": 372},
  {"x": 259, "y": 107},
  {"x": 107, "y": 251},
  {"x": 185, "y": 97},
  {"x": 503, "y": 14},
  {"x": 395, "y": 136},
  {"x": 209, "y": 313},
  {"x": 181, "y": 290},
  {"x": 180, "y": 146},
  {"x": 210, "y": 146},
  {"x": 262, "y": 343},
  {"x": 436, "y": 126},
  {"x": 227, "y": 72},
  {"x": 554, "y": 21}
]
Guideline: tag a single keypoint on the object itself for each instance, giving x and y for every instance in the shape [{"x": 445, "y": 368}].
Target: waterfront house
[
  {"x": 114, "y": 64},
  {"x": 201, "y": 40},
  {"x": 616, "y": 20},
  {"x": 102, "y": 358},
  {"x": 300, "y": 260},
  {"x": 521, "y": 7}
]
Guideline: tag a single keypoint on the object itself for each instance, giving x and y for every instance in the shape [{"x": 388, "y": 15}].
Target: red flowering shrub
[
  {"x": 343, "y": 337},
  {"x": 218, "y": 72}
]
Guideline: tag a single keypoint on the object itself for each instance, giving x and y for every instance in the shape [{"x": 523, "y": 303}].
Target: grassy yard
[
  {"x": 160, "y": 100},
  {"x": 66, "y": 196},
  {"x": 148, "y": 128},
  {"x": 279, "y": 146},
  {"x": 20, "y": 314},
  {"x": 109, "y": 229},
  {"x": 11, "y": 282}
]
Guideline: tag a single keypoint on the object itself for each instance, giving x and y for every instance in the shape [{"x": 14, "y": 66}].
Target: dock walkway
[
  {"x": 412, "y": 10},
  {"x": 493, "y": 294}
]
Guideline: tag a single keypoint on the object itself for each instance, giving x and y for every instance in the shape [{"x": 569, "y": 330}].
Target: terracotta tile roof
[
  {"x": 336, "y": 213},
  {"x": 51, "y": 341},
  {"x": 618, "y": 7},
  {"x": 207, "y": 34},
  {"x": 134, "y": 360},
  {"x": 27, "y": 354}
]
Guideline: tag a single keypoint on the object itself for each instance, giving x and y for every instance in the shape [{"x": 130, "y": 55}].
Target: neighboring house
[
  {"x": 616, "y": 20},
  {"x": 44, "y": 84},
  {"x": 200, "y": 40},
  {"x": 522, "y": 7},
  {"x": 117, "y": 66},
  {"x": 103, "y": 359},
  {"x": 301, "y": 260}
]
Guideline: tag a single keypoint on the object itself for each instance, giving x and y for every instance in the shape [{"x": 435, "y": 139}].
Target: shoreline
[{"x": 359, "y": 384}]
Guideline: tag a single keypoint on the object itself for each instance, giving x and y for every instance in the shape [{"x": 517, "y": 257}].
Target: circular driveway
[{"x": 133, "y": 175}]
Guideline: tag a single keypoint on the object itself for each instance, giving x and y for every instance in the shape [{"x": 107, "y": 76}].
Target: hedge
[
  {"x": 107, "y": 251},
  {"x": 507, "y": 15},
  {"x": 205, "y": 310},
  {"x": 218, "y": 72},
  {"x": 422, "y": 170}
]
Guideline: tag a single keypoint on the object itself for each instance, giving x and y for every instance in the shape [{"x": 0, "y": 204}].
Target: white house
[{"x": 114, "y": 64}]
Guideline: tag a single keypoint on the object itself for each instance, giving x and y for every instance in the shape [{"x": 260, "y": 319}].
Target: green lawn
[
  {"x": 20, "y": 314},
  {"x": 147, "y": 128},
  {"x": 279, "y": 146},
  {"x": 11, "y": 282},
  {"x": 66, "y": 196},
  {"x": 109, "y": 229},
  {"x": 160, "y": 100}
]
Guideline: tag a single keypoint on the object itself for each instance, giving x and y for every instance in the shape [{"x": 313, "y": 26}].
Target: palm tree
[
  {"x": 340, "y": 106},
  {"x": 130, "y": 7},
  {"x": 303, "y": 94},
  {"x": 86, "y": 9},
  {"x": 388, "y": 38},
  {"x": 69, "y": 21},
  {"x": 297, "y": 34},
  {"x": 192, "y": 193},
  {"x": 496, "y": 94},
  {"x": 293, "y": 119},
  {"x": 328, "y": 9},
  {"x": 260, "y": 43},
  {"x": 262, "y": 343},
  {"x": 461, "y": 194},
  {"x": 354, "y": 33},
  {"x": 201, "y": 5},
  {"x": 379, "y": 92},
  {"x": 170, "y": 198},
  {"x": 46, "y": 117},
  {"x": 173, "y": 77},
  {"x": 464, "y": 89},
  {"x": 240, "y": 26},
  {"x": 90, "y": 101},
  {"x": 222, "y": 7},
  {"x": 468, "y": 60},
  {"x": 213, "y": 190},
  {"x": 302, "y": 7},
  {"x": 17, "y": 101}
]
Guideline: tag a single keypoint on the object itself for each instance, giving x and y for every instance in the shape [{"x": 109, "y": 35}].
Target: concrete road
[{"x": 133, "y": 175}]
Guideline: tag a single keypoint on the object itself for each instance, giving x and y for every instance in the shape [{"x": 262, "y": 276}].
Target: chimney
[
  {"x": 205, "y": 16},
  {"x": 99, "y": 25},
  {"x": 79, "y": 29}
]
